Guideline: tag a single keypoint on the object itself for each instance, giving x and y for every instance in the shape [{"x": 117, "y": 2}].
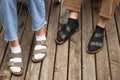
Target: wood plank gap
[
  {"x": 3, "y": 56},
  {"x": 117, "y": 28},
  {"x": 113, "y": 51},
  {"x": 48, "y": 63},
  {"x": 93, "y": 24},
  {"x": 88, "y": 60},
  {"x": 108, "y": 55},
  {"x": 81, "y": 43},
  {"x": 48, "y": 13}
]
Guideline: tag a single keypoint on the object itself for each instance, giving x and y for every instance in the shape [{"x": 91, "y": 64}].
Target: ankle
[
  {"x": 102, "y": 22},
  {"x": 40, "y": 32},
  {"x": 14, "y": 43},
  {"x": 73, "y": 15}
]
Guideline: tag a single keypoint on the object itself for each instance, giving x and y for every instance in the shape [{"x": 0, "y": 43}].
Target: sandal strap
[
  {"x": 43, "y": 42},
  {"x": 63, "y": 34},
  {"x": 66, "y": 32},
  {"x": 96, "y": 44},
  {"x": 96, "y": 36},
  {"x": 69, "y": 29},
  {"x": 12, "y": 63},
  {"x": 17, "y": 55},
  {"x": 17, "y": 64},
  {"x": 41, "y": 51}
]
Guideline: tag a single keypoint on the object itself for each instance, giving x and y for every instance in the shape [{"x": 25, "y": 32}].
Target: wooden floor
[{"x": 69, "y": 61}]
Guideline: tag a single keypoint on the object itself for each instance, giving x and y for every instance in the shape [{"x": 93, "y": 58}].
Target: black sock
[
  {"x": 99, "y": 29},
  {"x": 73, "y": 23}
]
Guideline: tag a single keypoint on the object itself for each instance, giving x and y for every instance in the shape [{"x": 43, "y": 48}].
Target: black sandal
[
  {"x": 95, "y": 43},
  {"x": 65, "y": 33}
]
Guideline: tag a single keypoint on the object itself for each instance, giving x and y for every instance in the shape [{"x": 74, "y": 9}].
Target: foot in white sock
[
  {"x": 15, "y": 51},
  {"x": 38, "y": 55}
]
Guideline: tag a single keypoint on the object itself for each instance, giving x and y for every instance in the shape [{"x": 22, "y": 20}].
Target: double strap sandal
[
  {"x": 39, "y": 51},
  {"x": 16, "y": 64},
  {"x": 65, "y": 33},
  {"x": 96, "y": 43}
]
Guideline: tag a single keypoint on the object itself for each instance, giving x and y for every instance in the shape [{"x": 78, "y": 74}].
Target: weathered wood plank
[
  {"x": 48, "y": 63},
  {"x": 33, "y": 70},
  {"x": 3, "y": 45},
  {"x": 74, "y": 63},
  {"x": 75, "y": 60},
  {"x": 118, "y": 21},
  {"x": 48, "y": 4},
  {"x": 88, "y": 64},
  {"x": 117, "y": 14},
  {"x": 114, "y": 49},
  {"x": 3, "y": 75},
  {"x": 102, "y": 61},
  {"x": 61, "y": 62}
]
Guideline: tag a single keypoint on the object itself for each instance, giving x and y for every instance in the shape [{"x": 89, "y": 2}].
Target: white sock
[
  {"x": 38, "y": 47},
  {"x": 15, "y": 50},
  {"x": 40, "y": 38}
]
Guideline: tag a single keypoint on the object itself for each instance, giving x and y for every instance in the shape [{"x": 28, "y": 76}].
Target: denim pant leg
[
  {"x": 37, "y": 12},
  {"x": 8, "y": 16}
]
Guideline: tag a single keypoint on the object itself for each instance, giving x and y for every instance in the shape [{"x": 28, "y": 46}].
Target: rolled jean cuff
[
  {"x": 71, "y": 8},
  {"x": 39, "y": 26},
  {"x": 12, "y": 39},
  {"x": 105, "y": 15}
]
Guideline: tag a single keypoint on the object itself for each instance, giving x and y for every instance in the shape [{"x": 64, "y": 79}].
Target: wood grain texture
[
  {"x": 88, "y": 66},
  {"x": 102, "y": 60},
  {"x": 114, "y": 49},
  {"x": 69, "y": 61},
  {"x": 47, "y": 69}
]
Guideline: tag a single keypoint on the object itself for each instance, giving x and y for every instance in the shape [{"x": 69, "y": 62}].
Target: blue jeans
[{"x": 8, "y": 16}]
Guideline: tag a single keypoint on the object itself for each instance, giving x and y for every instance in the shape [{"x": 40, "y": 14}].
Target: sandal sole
[{"x": 93, "y": 52}]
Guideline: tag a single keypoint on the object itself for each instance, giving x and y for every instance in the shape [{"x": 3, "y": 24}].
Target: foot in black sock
[
  {"x": 66, "y": 32},
  {"x": 96, "y": 41}
]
